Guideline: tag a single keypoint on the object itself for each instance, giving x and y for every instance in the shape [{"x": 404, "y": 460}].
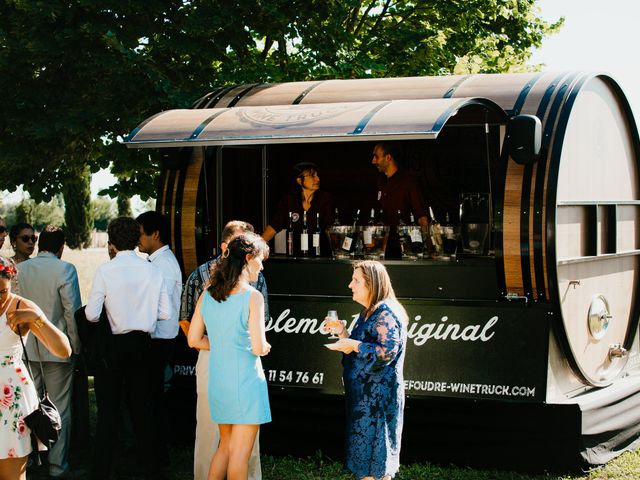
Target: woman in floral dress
[
  {"x": 18, "y": 396},
  {"x": 373, "y": 378}
]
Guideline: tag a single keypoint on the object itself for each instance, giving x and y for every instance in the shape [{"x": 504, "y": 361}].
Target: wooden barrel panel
[
  {"x": 594, "y": 192},
  {"x": 178, "y": 201}
]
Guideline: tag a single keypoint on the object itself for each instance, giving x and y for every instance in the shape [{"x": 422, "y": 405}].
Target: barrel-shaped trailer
[{"x": 532, "y": 342}]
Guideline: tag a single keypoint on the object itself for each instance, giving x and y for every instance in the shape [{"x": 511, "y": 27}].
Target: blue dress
[
  {"x": 374, "y": 392},
  {"x": 237, "y": 385}
]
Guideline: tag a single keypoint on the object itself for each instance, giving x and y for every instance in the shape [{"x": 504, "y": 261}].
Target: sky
[{"x": 597, "y": 36}]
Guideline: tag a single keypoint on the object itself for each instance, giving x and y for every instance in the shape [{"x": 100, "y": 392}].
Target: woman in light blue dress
[
  {"x": 229, "y": 321},
  {"x": 373, "y": 376}
]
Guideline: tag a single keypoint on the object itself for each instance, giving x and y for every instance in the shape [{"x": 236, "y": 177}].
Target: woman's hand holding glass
[{"x": 334, "y": 325}]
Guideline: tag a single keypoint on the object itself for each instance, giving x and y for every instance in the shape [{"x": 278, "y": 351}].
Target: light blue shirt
[{"x": 165, "y": 260}]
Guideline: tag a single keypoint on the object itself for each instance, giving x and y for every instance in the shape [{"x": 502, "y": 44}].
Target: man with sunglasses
[{"x": 53, "y": 285}]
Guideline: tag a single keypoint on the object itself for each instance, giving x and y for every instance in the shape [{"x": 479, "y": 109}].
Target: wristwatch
[{"x": 39, "y": 322}]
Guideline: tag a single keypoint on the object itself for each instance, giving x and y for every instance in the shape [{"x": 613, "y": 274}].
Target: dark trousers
[
  {"x": 127, "y": 372},
  {"x": 161, "y": 354}
]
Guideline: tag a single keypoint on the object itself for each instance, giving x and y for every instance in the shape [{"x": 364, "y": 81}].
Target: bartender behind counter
[
  {"x": 397, "y": 190},
  {"x": 305, "y": 196}
]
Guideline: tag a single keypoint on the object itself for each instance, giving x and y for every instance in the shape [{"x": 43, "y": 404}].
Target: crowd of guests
[{"x": 128, "y": 330}]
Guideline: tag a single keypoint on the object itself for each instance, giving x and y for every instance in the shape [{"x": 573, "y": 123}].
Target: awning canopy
[{"x": 333, "y": 122}]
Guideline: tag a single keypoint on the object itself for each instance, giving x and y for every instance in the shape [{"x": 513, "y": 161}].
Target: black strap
[{"x": 26, "y": 356}]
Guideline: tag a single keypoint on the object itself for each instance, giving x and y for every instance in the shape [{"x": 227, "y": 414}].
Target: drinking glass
[{"x": 333, "y": 315}]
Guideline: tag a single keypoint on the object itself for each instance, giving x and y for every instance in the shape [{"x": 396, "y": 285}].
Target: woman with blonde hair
[
  {"x": 373, "y": 379},
  {"x": 18, "y": 397}
]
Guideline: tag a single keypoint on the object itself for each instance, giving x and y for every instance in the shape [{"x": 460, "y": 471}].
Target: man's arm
[
  {"x": 164, "y": 302},
  {"x": 261, "y": 286},
  {"x": 69, "y": 292},
  {"x": 190, "y": 293},
  {"x": 96, "y": 298}
]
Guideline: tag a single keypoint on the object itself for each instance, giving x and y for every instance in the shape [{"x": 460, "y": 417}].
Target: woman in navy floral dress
[{"x": 373, "y": 379}]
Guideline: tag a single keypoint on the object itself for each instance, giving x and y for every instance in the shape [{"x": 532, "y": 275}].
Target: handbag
[{"x": 44, "y": 422}]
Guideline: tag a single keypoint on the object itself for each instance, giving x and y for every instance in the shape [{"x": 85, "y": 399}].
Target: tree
[
  {"x": 104, "y": 210},
  {"x": 78, "y": 75}
]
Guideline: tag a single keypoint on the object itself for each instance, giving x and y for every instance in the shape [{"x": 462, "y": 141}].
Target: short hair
[
  {"x": 124, "y": 233},
  {"x": 300, "y": 168},
  {"x": 153, "y": 221},
  {"x": 234, "y": 227},
  {"x": 391, "y": 148},
  {"x": 379, "y": 285},
  {"x": 51, "y": 239},
  {"x": 7, "y": 268},
  {"x": 17, "y": 228}
]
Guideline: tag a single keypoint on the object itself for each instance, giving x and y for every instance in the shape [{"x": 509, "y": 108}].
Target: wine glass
[{"x": 333, "y": 315}]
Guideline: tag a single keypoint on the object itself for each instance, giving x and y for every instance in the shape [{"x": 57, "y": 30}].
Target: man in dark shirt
[
  {"x": 308, "y": 197},
  {"x": 398, "y": 190}
]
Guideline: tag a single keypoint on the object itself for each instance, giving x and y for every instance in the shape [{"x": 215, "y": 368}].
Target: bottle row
[{"x": 408, "y": 241}]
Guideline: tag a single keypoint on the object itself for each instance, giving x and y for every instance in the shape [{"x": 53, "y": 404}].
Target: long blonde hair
[{"x": 378, "y": 282}]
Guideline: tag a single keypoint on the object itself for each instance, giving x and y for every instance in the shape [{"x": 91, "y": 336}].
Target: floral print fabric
[
  {"x": 374, "y": 392},
  {"x": 18, "y": 396}
]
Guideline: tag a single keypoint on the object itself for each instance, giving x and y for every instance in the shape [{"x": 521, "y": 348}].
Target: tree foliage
[
  {"x": 103, "y": 211},
  {"x": 78, "y": 75}
]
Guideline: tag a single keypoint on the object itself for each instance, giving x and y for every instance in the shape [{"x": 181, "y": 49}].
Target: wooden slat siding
[
  {"x": 188, "y": 208},
  {"x": 532, "y": 249},
  {"x": 165, "y": 192},
  {"x": 511, "y": 228},
  {"x": 172, "y": 212},
  {"x": 570, "y": 79}
]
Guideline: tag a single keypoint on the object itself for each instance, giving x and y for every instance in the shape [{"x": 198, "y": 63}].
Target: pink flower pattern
[{"x": 6, "y": 396}]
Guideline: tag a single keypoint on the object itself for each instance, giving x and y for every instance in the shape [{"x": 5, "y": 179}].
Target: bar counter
[{"x": 465, "y": 278}]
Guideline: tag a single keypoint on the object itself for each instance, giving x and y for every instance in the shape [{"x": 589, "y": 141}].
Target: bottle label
[
  {"x": 368, "y": 236},
  {"x": 346, "y": 244},
  {"x": 316, "y": 240},
  {"x": 449, "y": 233},
  {"x": 416, "y": 235},
  {"x": 304, "y": 242}
]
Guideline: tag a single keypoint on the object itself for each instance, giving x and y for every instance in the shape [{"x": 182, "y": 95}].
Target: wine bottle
[
  {"x": 290, "y": 236},
  {"x": 316, "y": 237},
  {"x": 415, "y": 237},
  {"x": 304, "y": 236},
  {"x": 369, "y": 229},
  {"x": 434, "y": 233},
  {"x": 336, "y": 219},
  {"x": 348, "y": 243},
  {"x": 402, "y": 236},
  {"x": 449, "y": 241},
  {"x": 380, "y": 222}
]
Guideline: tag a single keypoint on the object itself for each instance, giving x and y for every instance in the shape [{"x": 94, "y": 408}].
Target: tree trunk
[
  {"x": 124, "y": 205},
  {"x": 77, "y": 211}
]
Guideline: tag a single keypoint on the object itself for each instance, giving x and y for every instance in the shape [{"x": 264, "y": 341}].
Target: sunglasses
[
  {"x": 26, "y": 238},
  {"x": 3, "y": 229}
]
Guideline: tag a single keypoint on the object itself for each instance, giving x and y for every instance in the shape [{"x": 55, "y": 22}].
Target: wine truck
[{"x": 524, "y": 340}]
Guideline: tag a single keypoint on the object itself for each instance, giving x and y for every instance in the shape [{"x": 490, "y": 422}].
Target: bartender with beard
[
  {"x": 306, "y": 196},
  {"x": 397, "y": 190}
]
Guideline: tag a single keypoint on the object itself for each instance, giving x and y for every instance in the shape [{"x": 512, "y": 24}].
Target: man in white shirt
[
  {"x": 53, "y": 285},
  {"x": 134, "y": 294},
  {"x": 155, "y": 236}
]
